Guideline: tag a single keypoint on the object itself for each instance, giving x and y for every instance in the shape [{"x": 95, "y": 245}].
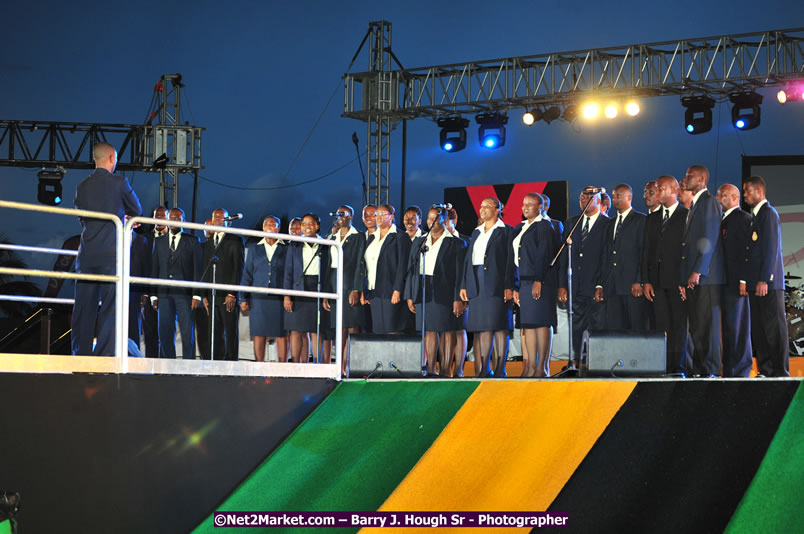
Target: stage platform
[{"x": 158, "y": 453}]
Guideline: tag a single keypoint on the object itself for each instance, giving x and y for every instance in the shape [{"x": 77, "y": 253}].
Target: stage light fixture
[
  {"x": 453, "y": 133},
  {"x": 791, "y": 93},
  {"x": 49, "y": 189},
  {"x": 491, "y": 132},
  {"x": 611, "y": 110},
  {"x": 745, "y": 113},
  {"x": 698, "y": 115},
  {"x": 570, "y": 113},
  {"x": 632, "y": 108},
  {"x": 550, "y": 114},
  {"x": 591, "y": 110}
]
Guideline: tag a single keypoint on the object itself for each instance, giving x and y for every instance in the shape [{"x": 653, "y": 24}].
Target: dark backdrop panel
[
  {"x": 128, "y": 453},
  {"x": 466, "y": 201}
]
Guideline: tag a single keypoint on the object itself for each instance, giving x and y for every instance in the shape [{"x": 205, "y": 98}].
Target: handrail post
[{"x": 123, "y": 293}]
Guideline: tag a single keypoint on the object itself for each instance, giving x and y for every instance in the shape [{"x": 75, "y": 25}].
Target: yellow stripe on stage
[{"x": 511, "y": 447}]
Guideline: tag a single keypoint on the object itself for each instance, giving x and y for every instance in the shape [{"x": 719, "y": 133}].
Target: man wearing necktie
[
  {"x": 230, "y": 253},
  {"x": 620, "y": 283},
  {"x": 660, "y": 272},
  {"x": 587, "y": 255},
  {"x": 176, "y": 256},
  {"x": 702, "y": 273}
]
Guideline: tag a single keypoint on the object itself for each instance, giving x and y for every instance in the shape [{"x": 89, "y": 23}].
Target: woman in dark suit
[
  {"x": 306, "y": 269},
  {"x": 354, "y": 246},
  {"x": 488, "y": 286},
  {"x": 537, "y": 286},
  {"x": 265, "y": 267},
  {"x": 440, "y": 268},
  {"x": 386, "y": 255}
]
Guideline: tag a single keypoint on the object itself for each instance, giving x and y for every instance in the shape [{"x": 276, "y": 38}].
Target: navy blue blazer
[
  {"x": 587, "y": 256},
  {"x": 535, "y": 251},
  {"x": 392, "y": 264},
  {"x": 735, "y": 233},
  {"x": 498, "y": 264},
  {"x": 700, "y": 252},
  {"x": 764, "y": 261},
  {"x": 445, "y": 274},
  {"x": 623, "y": 258},
  {"x": 102, "y": 191},
  {"x": 294, "y": 266},
  {"x": 259, "y": 272},
  {"x": 183, "y": 264}
]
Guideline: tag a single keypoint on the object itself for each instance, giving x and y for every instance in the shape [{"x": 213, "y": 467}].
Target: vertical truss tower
[{"x": 380, "y": 91}]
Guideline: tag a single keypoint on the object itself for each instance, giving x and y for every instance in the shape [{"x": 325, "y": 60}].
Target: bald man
[
  {"x": 100, "y": 191},
  {"x": 735, "y": 232}
]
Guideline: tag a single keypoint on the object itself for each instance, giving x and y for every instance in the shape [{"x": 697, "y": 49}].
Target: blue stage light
[
  {"x": 740, "y": 124},
  {"x": 448, "y": 146},
  {"x": 698, "y": 114},
  {"x": 491, "y": 141},
  {"x": 491, "y": 132},
  {"x": 746, "y": 113},
  {"x": 690, "y": 128},
  {"x": 453, "y": 133}
]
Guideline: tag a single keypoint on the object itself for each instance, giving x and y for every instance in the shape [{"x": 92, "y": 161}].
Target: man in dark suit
[
  {"x": 200, "y": 314},
  {"x": 764, "y": 283},
  {"x": 702, "y": 273},
  {"x": 150, "y": 324},
  {"x": 587, "y": 256},
  {"x": 230, "y": 253},
  {"x": 735, "y": 231},
  {"x": 663, "y": 236},
  {"x": 176, "y": 256},
  {"x": 140, "y": 266},
  {"x": 100, "y": 191},
  {"x": 620, "y": 283}
]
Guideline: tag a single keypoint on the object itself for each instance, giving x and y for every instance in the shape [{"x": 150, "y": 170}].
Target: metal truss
[
  {"x": 37, "y": 144},
  {"x": 168, "y": 147},
  {"x": 380, "y": 91},
  {"x": 710, "y": 65}
]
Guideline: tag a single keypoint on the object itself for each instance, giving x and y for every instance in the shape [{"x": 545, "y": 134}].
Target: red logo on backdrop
[{"x": 512, "y": 206}]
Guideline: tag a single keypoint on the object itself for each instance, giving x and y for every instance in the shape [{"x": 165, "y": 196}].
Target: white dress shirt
[
  {"x": 482, "y": 241},
  {"x": 432, "y": 253},
  {"x": 372, "y": 255},
  {"x": 518, "y": 237}
]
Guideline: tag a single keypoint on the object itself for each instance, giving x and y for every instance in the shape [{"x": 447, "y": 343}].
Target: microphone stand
[
  {"x": 570, "y": 367},
  {"x": 214, "y": 261},
  {"x": 422, "y": 258}
]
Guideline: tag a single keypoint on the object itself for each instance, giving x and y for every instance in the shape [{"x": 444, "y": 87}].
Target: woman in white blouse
[
  {"x": 386, "y": 255},
  {"x": 488, "y": 287}
]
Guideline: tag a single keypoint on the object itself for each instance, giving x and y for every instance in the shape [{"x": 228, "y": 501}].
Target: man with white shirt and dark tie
[
  {"x": 229, "y": 252},
  {"x": 620, "y": 285},
  {"x": 176, "y": 256},
  {"x": 587, "y": 255}
]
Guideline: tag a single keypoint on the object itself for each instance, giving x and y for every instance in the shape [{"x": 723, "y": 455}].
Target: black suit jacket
[
  {"x": 183, "y": 264},
  {"x": 498, "y": 264},
  {"x": 664, "y": 267},
  {"x": 231, "y": 253},
  {"x": 735, "y": 232},
  {"x": 392, "y": 263},
  {"x": 445, "y": 273},
  {"x": 623, "y": 257},
  {"x": 587, "y": 257},
  {"x": 535, "y": 251}
]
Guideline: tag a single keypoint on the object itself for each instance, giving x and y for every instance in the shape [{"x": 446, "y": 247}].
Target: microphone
[
  {"x": 234, "y": 217},
  {"x": 446, "y": 206},
  {"x": 594, "y": 190},
  {"x": 398, "y": 370},
  {"x": 376, "y": 367},
  {"x": 338, "y": 213}
]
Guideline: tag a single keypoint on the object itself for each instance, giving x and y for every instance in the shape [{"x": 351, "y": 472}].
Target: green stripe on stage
[
  {"x": 5, "y": 527},
  {"x": 773, "y": 500},
  {"x": 352, "y": 451}
]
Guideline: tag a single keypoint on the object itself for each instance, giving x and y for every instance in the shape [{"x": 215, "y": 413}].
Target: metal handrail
[
  {"x": 121, "y": 296},
  {"x": 127, "y": 236},
  {"x": 45, "y": 250}
]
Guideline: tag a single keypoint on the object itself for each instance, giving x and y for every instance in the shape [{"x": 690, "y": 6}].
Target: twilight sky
[{"x": 259, "y": 74}]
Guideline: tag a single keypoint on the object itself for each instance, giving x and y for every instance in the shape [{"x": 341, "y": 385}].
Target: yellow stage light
[
  {"x": 632, "y": 108},
  {"x": 591, "y": 110},
  {"x": 611, "y": 111}
]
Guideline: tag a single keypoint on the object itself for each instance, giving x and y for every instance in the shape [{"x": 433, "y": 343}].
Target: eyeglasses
[{"x": 381, "y": 214}]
